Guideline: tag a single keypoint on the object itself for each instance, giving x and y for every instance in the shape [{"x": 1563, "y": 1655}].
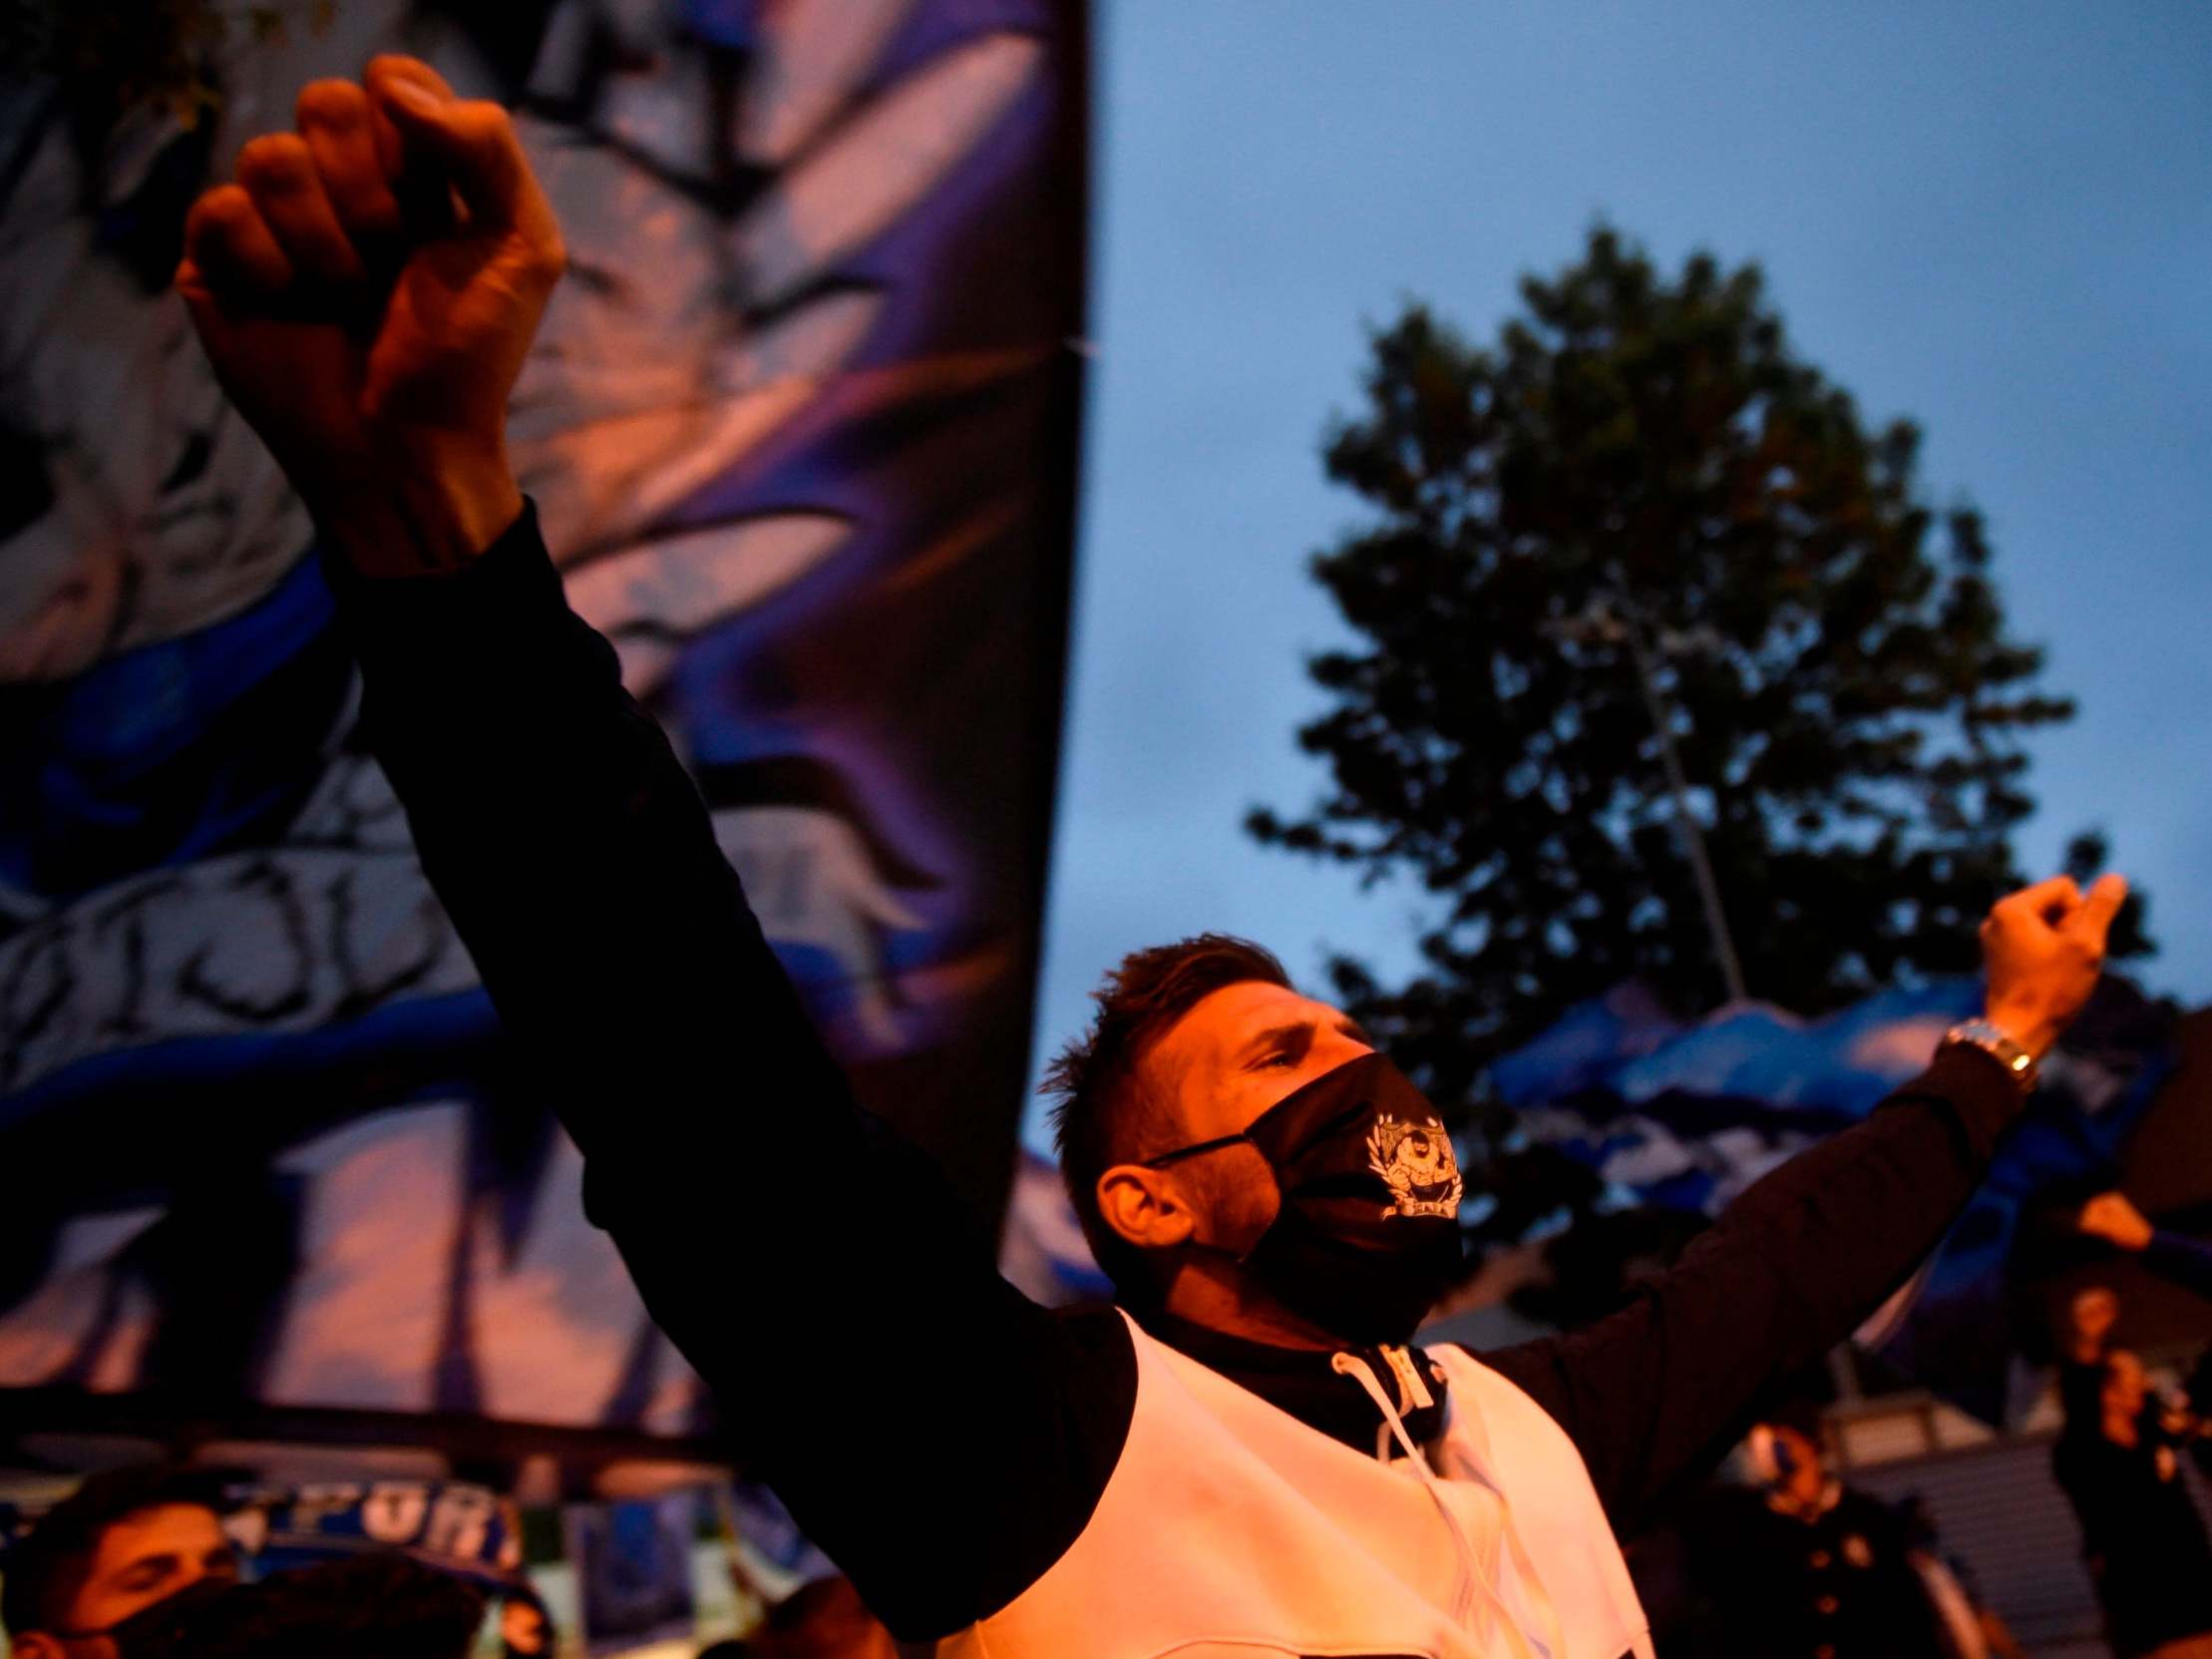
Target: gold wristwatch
[{"x": 1993, "y": 1041}]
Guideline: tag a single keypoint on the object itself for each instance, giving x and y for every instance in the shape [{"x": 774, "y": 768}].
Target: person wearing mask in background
[
  {"x": 2141, "y": 1535},
  {"x": 1800, "y": 1566},
  {"x": 1251, "y": 1450},
  {"x": 2187, "y": 1262},
  {"x": 2091, "y": 1312},
  {"x": 109, "y": 1571}
]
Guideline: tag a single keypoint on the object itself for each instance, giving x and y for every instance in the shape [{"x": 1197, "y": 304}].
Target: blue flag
[{"x": 1684, "y": 1116}]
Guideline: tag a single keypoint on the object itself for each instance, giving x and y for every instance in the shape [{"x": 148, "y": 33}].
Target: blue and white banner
[
  {"x": 633, "y": 1570},
  {"x": 1688, "y": 1115},
  {"x": 802, "y": 427},
  {"x": 1042, "y": 1250},
  {"x": 460, "y": 1528},
  {"x": 1684, "y": 1116}
]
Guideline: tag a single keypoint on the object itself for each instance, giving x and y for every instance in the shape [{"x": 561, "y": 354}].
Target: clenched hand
[
  {"x": 2043, "y": 948},
  {"x": 2111, "y": 1216},
  {"x": 366, "y": 291}
]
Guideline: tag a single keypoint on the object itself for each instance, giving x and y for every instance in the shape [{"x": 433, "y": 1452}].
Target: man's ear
[
  {"x": 34, "y": 1644},
  {"x": 1145, "y": 1207}
]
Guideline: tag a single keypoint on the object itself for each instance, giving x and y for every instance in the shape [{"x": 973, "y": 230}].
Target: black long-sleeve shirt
[{"x": 947, "y": 1461}]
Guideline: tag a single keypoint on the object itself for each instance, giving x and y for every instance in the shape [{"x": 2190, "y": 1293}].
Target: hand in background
[
  {"x": 366, "y": 291},
  {"x": 2042, "y": 948},
  {"x": 2110, "y": 1216}
]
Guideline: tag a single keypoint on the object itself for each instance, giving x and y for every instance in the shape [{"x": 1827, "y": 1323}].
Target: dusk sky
[{"x": 1997, "y": 220}]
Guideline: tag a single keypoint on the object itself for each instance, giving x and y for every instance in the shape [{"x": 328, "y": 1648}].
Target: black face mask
[
  {"x": 1368, "y": 1235},
  {"x": 160, "y": 1628}
]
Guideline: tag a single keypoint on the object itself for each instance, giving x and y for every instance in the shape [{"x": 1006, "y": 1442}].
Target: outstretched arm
[
  {"x": 1651, "y": 1394},
  {"x": 2113, "y": 1217},
  {"x": 366, "y": 293}
]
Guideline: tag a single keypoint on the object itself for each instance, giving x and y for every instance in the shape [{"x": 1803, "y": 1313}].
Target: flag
[
  {"x": 1043, "y": 1251},
  {"x": 633, "y": 1570},
  {"x": 801, "y": 423},
  {"x": 1684, "y": 1116}
]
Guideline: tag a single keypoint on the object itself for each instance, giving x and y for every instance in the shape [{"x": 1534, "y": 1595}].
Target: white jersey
[{"x": 1231, "y": 1528}]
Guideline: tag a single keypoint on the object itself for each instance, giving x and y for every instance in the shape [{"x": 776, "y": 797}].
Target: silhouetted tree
[{"x": 1639, "y": 543}]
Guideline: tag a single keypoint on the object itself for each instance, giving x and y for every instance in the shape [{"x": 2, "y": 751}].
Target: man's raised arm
[
  {"x": 367, "y": 292},
  {"x": 1653, "y": 1395}
]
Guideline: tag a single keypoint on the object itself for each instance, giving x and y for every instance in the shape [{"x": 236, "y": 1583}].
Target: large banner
[{"x": 802, "y": 428}]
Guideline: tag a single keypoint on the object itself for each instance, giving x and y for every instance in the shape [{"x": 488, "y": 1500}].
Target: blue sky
[{"x": 1997, "y": 220}]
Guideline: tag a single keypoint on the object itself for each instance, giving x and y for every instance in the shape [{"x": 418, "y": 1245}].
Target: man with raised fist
[{"x": 1250, "y": 1454}]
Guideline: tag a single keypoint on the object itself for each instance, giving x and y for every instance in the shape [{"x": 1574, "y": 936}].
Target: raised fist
[
  {"x": 366, "y": 291},
  {"x": 2043, "y": 948}
]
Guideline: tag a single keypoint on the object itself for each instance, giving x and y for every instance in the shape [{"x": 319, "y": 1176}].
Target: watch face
[{"x": 1993, "y": 1041}]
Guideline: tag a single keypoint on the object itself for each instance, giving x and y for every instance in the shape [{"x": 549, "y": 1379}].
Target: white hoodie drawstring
[
  {"x": 1477, "y": 1468},
  {"x": 1470, "y": 1579}
]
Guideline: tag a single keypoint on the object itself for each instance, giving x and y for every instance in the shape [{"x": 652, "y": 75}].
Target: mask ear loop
[
  {"x": 1244, "y": 1137},
  {"x": 1182, "y": 1153},
  {"x": 1218, "y": 1144}
]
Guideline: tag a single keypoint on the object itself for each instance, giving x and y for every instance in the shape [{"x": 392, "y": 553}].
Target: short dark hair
[
  {"x": 1102, "y": 1113},
  {"x": 43, "y": 1571}
]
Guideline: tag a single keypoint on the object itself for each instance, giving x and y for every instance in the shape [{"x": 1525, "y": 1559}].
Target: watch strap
[{"x": 1993, "y": 1041}]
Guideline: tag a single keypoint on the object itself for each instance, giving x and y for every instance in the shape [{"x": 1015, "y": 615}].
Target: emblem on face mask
[{"x": 1416, "y": 1163}]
